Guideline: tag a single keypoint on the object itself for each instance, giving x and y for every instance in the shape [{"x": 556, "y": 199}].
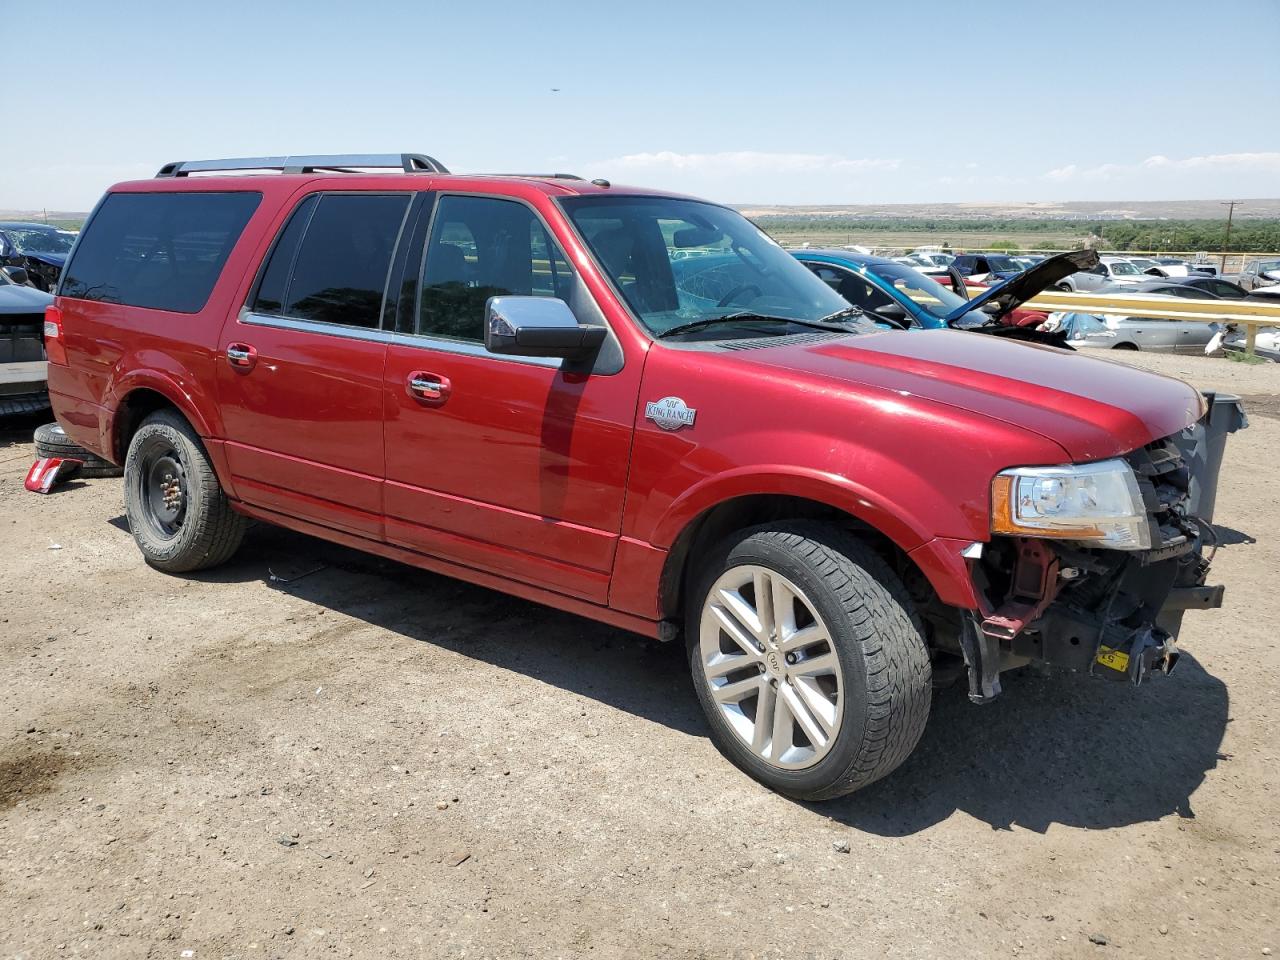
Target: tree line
[{"x": 1254, "y": 235}]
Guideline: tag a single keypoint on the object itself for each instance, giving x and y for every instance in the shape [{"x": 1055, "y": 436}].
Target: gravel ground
[{"x": 312, "y": 752}]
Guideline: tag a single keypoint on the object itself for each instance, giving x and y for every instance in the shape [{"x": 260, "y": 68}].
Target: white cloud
[
  {"x": 1216, "y": 163},
  {"x": 746, "y": 161}
]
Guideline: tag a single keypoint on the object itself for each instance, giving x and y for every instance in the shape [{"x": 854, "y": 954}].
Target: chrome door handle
[
  {"x": 430, "y": 388},
  {"x": 237, "y": 355}
]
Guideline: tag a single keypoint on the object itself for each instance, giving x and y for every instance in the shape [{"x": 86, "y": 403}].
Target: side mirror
[
  {"x": 892, "y": 311},
  {"x": 538, "y": 327},
  {"x": 17, "y": 274}
]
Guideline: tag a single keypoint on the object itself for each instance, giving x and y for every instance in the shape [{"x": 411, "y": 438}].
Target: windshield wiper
[
  {"x": 847, "y": 313},
  {"x": 748, "y": 317}
]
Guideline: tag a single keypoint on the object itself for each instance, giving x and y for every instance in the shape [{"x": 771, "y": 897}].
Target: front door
[
  {"x": 504, "y": 464},
  {"x": 300, "y": 371}
]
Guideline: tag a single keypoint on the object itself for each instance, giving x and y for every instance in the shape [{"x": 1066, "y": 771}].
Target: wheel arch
[
  {"x": 143, "y": 396},
  {"x": 717, "y": 521}
]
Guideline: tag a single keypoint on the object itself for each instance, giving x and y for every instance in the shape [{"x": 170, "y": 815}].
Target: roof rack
[
  {"x": 537, "y": 176},
  {"x": 328, "y": 163}
]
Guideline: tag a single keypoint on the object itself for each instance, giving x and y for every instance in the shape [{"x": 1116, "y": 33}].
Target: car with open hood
[
  {"x": 636, "y": 407},
  {"x": 38, "y": 248},
  {"x": 894, "y": 294}
]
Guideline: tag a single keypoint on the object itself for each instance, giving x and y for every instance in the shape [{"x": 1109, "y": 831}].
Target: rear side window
[
  {"x": 331, "y": 262},
  {"x": 159, "y": 250}
]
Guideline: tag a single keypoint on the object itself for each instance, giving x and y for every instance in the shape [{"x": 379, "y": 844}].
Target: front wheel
[
  {"x": 808, "y": 660},
  {"x": 180, "y": 518}
]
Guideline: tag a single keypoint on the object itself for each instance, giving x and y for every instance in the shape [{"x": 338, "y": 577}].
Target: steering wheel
[{"x": 732, "y": 295}]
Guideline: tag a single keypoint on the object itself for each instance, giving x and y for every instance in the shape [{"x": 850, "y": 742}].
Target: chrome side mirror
[{"x": 538, "y": 327}]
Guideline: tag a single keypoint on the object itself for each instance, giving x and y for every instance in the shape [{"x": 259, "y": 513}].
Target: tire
[
  {"x": 873, "y": 706},
  {"x": 1125, "y": 346},
  {"x": 51, "y": 441},
  {"x": 180, "y": 518},
  {"x": 1065, "y": 288}
]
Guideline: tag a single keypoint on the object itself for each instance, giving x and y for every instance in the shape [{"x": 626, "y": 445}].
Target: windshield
[
  {"x": 677, "y": 262},
  {"x": 1142, "y": 263},
  {"x": 930, "y": 294},
  {"x": 1123, "y": 268},
  {"x": 1269, "y": 266},
  {"x": 1003, "y": 265},
  {"x": 40, "y": 241}
]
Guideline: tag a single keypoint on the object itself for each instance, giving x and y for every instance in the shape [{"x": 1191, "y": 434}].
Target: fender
[
  {"x": 904, "y": 529},
  {"x": 154, "y": 370}
]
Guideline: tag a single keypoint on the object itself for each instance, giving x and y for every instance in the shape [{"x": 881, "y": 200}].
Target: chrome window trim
[{"x": 438, "y": 344}]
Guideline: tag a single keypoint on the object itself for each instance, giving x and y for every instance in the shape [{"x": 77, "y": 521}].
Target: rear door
[
  {"x": 300, "y": 369},
  {"x": 511, "y": 465}
]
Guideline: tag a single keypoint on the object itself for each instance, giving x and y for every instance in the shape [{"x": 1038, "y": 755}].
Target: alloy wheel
[{"x": 771, "y": 667}]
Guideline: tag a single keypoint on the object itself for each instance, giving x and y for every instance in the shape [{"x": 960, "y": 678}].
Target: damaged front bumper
[{"x": 1113, "y": 614}]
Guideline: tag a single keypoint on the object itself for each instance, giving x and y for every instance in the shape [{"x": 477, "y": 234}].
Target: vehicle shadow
[{"x": 1062, "y": 749}]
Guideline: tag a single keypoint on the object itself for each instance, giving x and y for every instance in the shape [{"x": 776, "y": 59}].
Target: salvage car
[
  {"x": 896, "y": 294},
  {"x": 1194, "y": 287},
  {"x": 1110, "y": 270},
  {"x": 38, "y": 248},
  {"x": 1260, "y": 273},
  {"x": 986, "y": 266},
  {"x": 504, "y": 379},
  {"x": 1134, "y": 333},
  {"x": 22, "y": 362}
]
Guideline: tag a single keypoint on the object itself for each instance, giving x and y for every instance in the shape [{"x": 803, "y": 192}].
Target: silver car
[
  {"x": 1134, "y": 333},
  {"x": 1259, "y": 273},
  {"x": 1109, "y": 270}
]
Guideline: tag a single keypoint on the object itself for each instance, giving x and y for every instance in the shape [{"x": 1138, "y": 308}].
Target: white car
[{"x": 1266, "y": 345}]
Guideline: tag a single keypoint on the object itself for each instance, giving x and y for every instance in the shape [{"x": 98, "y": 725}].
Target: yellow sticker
[{"x": 1115, "y": 659}]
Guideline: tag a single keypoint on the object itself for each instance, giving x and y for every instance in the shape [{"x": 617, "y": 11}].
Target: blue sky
[{"x": 742, "y": 102}]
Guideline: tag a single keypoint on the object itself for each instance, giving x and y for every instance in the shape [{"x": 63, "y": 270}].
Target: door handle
[
  {"x": 241, "y": 356},
  {"x": 430, "y": 388}
]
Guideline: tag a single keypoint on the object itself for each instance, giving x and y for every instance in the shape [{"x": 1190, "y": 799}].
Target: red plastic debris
[{"x": 47, "y": 471}]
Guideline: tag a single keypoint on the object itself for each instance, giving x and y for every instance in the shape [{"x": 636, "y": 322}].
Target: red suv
[{"x": 638, "y": 408}]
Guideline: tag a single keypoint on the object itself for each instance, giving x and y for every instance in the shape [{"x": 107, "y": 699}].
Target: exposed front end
[{"x": 1110, "y": 604}]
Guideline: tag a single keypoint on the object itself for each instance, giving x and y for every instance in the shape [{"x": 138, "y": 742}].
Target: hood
[
  {"x": 1021, "y": 287},
  {"x": 19, "y": 299},
  {"x": 58, "y": 260},
  {"x": 1092, "y": 408}
]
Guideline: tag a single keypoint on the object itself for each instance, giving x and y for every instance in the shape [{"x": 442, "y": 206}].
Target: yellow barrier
[{"x": 1251, "y": 314}]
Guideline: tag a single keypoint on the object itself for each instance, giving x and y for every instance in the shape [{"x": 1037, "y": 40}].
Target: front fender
[{"x": 867, "y": 505}]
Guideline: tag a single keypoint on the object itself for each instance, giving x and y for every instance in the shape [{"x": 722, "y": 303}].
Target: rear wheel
[
  {"x": 180, "y": 518},
  {"x": 808, "y": 660}
]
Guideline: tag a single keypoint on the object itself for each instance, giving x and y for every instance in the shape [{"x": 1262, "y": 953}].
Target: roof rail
[
  {"x": 536, "y": 176},
  {"x": 330, "y": 163}
]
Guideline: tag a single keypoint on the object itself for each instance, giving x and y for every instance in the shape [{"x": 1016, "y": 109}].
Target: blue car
[
  {"x": 896, "y": 295},
  {"x": 892, "y": 291}
]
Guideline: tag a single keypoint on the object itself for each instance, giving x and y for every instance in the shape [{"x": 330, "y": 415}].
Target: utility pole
[{"x": 1226, "y": 243}]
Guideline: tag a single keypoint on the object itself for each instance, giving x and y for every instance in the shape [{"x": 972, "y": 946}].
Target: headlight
[{"x": 1099, "y": 502}]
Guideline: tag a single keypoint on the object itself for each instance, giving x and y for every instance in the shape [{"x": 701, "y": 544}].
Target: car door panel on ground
[
  {"x": 520, "y": 468},
  {"x": 301, "y": 369}
]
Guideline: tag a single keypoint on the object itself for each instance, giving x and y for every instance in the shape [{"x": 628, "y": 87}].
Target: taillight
[{"x": 54, "y": 349}]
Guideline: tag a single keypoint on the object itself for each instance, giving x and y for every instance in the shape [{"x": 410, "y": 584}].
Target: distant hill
[{"x": 1066, "y": 210}]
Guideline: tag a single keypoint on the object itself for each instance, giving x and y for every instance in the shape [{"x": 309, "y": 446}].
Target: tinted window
[
  {"x": 1227, "y": 290},
  {"x": 271, "y": 289},
  {"x": 159, "y": 250},
  {"x": 341, "y": 267},
  {"x": 482, "y": 247}
]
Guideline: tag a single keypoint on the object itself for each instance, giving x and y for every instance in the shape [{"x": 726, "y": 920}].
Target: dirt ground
[{"x": 315, "y": 753}]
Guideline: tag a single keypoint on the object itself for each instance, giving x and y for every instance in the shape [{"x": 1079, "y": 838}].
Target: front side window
[
  {"x": 482, "y": 247},
  {"x": 677, "y": 262},
  {"x": 337, "y": 272},
  {"x": 158, "y": 250},
  {"x": 1123, "y": 268}
]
